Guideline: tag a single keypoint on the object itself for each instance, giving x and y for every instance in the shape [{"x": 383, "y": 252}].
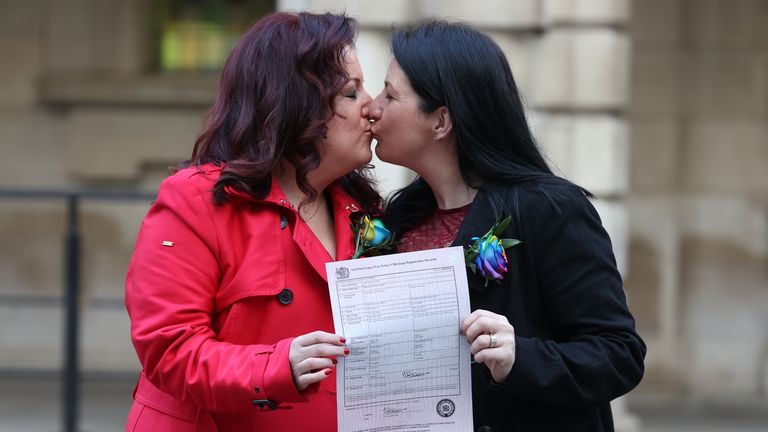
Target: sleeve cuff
[
  {"x": 523, "y": 353},
  {"x": 278, "y": 379}
]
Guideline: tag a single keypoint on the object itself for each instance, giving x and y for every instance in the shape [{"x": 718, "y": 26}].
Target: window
[{"x": 198, "y": 35}]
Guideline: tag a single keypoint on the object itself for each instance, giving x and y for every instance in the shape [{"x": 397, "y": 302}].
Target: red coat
[{"x": 215, "y": 295}]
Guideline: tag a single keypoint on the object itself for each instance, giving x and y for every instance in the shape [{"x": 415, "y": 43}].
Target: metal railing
[{"x": 70, "y": 373}]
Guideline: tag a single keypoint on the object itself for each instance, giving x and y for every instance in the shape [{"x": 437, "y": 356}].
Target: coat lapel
[
  {"x": 479, "y": 219},
  {"x": 343, "y": 205}
]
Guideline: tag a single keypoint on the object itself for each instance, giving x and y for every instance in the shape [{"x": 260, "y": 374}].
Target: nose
[
  {"x": 375, "y": 109},
  {"x": 367, "y": 99}
]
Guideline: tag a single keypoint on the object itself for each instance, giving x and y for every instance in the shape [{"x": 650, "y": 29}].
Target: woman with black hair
[{"x": 552, "y": 337}]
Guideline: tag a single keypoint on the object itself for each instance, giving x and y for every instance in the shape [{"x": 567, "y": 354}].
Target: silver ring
[{"x": 493, "y": 342}]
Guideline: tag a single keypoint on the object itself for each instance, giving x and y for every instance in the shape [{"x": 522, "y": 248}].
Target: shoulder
[
  {"x": 192, "y": 177},
  {"x": 550, "y": 197},
  {"x": 190, "y": 182},
  {"x": 554, "y": 196}
]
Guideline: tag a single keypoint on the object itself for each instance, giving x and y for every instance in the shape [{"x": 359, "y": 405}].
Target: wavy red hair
[{"x": 275, "y": 97}]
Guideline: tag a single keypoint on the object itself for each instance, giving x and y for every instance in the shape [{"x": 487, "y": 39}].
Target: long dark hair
[
  {"x": 275, "y": 96},
  {"x": 456, "y": 66}
]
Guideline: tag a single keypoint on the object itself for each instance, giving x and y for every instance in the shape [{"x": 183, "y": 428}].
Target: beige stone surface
[
  {"x": 597, "y": 12},
  {"x": 728, "y": 84},
  {"x": 68, "y": 25},
  {"x": 22, "y": 19},
  {"x": 726, "y": 219},
  {"x": 600, "y": 157},
  {"x": 726, "y": 157},
  {"x": 32, "y": 338},
  {"x": 507, "y": 14},
  {"x": 654, "y": 235},
  {"x": 518, "y": 49},
  {"x": 552, "y": 80},
  {"x": 581, "y": 69},
  {"x": 111, "y": 36},
  {"x": 590, "y": 150},
  {"x": 114, "y": 143},
  {"x": 601, "y": 70},
  {"x": 31, "y": 261},
  {"x": 18, "y": 76},
  {"x": 654, "y": 155},
  {"x": 657, "y": 82},
  {"x": 656, "y": 23},
  {"x": 698, "y": 200},
  {"x": 553, "y": 135},
  {"x": 106, "y": 339},
  {"x": 723, "y": 317},
  {"x": 696, "y": 287},
  {"x": 33, "y": 150},
  {"x": 726, "y": 23}
]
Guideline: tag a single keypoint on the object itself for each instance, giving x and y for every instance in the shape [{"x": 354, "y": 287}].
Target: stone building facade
[{"x": 659, "y": 107}]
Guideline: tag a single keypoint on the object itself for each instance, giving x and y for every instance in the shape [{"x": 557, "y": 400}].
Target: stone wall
[
  {"x": 699, "y": 195},
  {"x": 76, "y": 111}
]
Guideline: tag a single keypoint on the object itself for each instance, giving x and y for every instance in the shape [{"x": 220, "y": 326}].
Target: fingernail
[
  {"x": 327, "y": 371},
  {"x": 346, "y": 351},
  {"x": 334, "y": 361},
  {"x": 343, "y": 340}
]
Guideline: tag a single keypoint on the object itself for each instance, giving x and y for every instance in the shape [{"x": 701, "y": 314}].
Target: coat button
[
  {"x": 283, "y": 221},
  {"x": 485, "y": 429},
  {"x": 261, "y": 403},
  {"x": 285, "y": 297}
]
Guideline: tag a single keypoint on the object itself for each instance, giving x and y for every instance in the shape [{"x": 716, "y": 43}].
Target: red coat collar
[{"x": 343, "y": 206}]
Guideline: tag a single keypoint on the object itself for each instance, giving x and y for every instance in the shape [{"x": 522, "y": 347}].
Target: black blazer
[{"x": 577, "y": 348}]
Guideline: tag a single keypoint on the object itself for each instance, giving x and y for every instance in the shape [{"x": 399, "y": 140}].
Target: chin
[
  {"x": 381, "y": 155},
  {"x": 363, "y": 158}
]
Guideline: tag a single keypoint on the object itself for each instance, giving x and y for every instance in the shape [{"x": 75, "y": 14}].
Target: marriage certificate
[{"x": 409, "y": 367}]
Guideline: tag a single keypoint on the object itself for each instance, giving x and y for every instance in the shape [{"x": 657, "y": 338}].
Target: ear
[{"x": 444, "y": 125}]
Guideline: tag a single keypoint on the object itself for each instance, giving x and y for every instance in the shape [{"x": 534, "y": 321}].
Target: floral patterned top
[{"x": 439, "y": 231}]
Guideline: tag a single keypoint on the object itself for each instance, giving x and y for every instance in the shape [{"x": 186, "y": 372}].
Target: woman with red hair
[{"x": 226, "y": 291}]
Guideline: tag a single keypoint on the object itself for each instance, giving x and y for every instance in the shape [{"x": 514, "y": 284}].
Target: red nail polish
[
  {"x": 346, "y": 351},
  {"x": 334, "y": 361},
  {"x": 327, "y": 371},
  {"x": 343, "y": 340}
]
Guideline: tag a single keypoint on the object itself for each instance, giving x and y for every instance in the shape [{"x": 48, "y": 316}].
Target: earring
[{"x": 434, "y": 136}]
